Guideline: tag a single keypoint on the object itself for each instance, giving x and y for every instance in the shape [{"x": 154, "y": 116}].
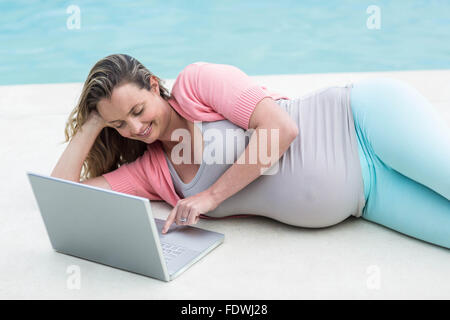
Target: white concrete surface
[{"x": 260, "y": 258}]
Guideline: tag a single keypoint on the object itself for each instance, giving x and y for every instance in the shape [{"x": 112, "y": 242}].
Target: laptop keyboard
[{"x": 171, "y": 251}]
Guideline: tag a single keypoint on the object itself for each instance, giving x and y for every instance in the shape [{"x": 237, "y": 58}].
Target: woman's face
[{"x": 131, "y": 111}]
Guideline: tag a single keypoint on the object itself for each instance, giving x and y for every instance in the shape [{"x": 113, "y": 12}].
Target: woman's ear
[{"x": 154, "y": 86}]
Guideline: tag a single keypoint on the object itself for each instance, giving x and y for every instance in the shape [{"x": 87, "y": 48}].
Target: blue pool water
[{"x": 260, "y": 37}]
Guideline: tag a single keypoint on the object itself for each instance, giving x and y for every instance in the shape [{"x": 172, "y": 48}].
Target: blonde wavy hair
[{"x": 110, "y": 150}]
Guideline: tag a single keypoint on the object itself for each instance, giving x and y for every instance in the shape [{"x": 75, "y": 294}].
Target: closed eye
[{"x": 136, "y": 114}]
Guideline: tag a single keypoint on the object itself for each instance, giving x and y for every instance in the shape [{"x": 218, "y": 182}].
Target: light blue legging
[{"x": 404, "y": 149}]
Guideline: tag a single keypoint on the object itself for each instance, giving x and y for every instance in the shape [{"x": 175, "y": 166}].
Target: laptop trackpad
[{"x": 188, "y": 236}]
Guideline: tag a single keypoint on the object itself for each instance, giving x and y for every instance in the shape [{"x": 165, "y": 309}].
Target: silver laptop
[{"x": 116, "y": 229}]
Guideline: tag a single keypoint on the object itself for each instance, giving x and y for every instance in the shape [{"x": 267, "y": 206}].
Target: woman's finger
[
  {"x": 186, "y": 214},
  {"x": 192, "y": 216},
  {"x": 170, "y": 219},
  {"x": 182, "y": 214}
]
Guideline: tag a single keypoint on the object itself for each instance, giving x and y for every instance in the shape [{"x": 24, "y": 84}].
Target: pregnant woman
[{"x": 374, "y": 149}]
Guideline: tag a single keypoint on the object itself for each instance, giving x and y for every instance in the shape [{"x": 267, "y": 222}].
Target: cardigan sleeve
[
  {"x": 207, "y": 87},
  {"x": 130, "y": 178}
]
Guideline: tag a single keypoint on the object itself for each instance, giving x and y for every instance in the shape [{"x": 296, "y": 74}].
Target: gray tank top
[{"x": 317, "y": 182}]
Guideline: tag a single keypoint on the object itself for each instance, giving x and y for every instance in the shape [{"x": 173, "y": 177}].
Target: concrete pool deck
[{"x": 260, "y": 258}]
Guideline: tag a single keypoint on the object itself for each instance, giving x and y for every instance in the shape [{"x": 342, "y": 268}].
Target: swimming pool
[{"x": 41, "y": 41}]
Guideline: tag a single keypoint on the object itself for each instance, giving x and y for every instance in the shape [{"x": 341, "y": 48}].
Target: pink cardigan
[{"x": 201, "y": 92}]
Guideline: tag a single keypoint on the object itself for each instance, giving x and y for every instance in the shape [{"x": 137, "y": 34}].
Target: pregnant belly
[
  {"x": 319, "y": 181},
  {"x": 311, "y": 198}
]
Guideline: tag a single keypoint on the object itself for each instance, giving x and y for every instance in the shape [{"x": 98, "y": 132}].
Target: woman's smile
[{"x": 147, "y": 131}]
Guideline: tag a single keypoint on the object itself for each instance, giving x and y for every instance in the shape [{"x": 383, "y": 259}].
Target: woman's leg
[
  {"x": 409, "y": 207},
  {"x": 404, "y": 131},
  {"x": 407, "y": 147}
]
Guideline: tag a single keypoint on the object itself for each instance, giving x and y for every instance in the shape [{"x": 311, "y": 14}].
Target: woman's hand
[
  {"x": 96, "y": 119},
  {"x": 188, "y": 210}
]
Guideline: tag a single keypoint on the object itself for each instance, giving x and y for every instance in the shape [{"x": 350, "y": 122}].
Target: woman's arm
[
  {"x": 99, "y": 182},
  {"x": 71, "y": 161},
  {"x": 266, "y": 117}
]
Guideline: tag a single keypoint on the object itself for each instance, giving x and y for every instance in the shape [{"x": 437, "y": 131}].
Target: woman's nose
[{"x": 137, "y": 127}]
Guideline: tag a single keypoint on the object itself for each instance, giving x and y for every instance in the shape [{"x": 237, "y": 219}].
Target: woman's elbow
[{"x": 294, "y": 131}]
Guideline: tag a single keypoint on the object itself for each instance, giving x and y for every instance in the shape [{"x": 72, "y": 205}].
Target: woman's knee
[{"x": 404, "y": 205}]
